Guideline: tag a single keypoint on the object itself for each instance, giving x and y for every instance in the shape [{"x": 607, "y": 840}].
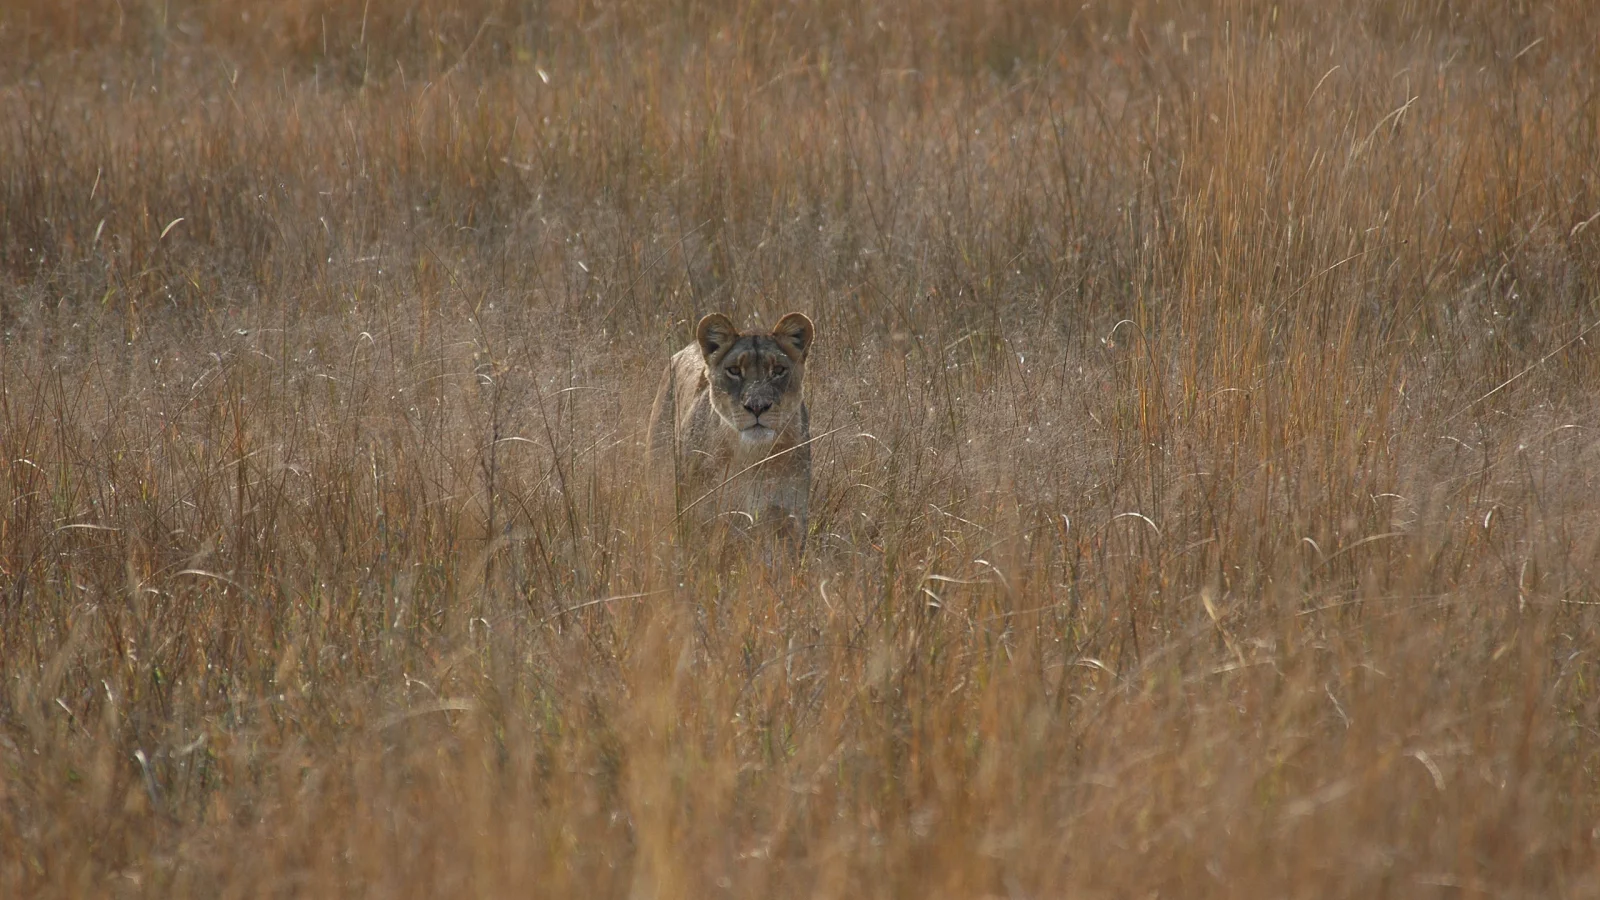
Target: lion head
[{"x": 756, "y": 377}]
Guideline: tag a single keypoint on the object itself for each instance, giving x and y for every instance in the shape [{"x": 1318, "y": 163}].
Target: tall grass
[{"x": 1207, "y": 506}]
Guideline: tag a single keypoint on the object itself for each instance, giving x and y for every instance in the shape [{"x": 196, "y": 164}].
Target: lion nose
[{"x": 757, "y": 407}]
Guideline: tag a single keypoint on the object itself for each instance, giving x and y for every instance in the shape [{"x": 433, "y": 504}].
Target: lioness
[{"x": 730, "y": 419}]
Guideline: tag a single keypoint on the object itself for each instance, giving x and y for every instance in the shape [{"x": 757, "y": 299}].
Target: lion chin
[{"x": 757, "y": 434}]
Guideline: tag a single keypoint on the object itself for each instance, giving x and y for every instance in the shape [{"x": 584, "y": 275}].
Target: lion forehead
[
  {"x": 758, "y": 354},
  {"x": 752, "y": 347}
]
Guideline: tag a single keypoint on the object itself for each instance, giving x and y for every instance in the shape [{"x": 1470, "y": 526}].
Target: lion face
[{"x": 756, "y": 378}]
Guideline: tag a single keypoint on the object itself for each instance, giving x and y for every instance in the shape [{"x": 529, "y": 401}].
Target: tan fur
[{"x": 731, "y": 426}]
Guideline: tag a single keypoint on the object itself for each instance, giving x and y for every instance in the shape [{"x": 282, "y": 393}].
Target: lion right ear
[
  {"x": 715, "y": 332},
  {"x": 794, "y": 333}
]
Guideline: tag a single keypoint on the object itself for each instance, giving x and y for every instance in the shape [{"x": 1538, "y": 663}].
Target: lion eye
[
  {"x": 734, "y": 372},
  {"x": 779, "y": 371}
]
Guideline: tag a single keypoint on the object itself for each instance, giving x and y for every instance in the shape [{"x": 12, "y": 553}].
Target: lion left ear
[
  {"x": 793, "y": 333},
  {"x": 715, "y": 333}
]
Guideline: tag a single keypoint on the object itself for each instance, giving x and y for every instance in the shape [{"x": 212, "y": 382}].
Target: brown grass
[{"x": 1209, "y": 506}]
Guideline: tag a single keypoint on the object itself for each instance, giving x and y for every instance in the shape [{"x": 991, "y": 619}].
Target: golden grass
[{"x": 1209, "y": 506}]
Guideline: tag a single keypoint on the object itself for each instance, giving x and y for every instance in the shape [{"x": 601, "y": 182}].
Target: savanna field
[{"x": 1206, "y": 498}]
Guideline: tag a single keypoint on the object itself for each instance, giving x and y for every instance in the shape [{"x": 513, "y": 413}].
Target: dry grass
[{"x": 1209, "y": 506}]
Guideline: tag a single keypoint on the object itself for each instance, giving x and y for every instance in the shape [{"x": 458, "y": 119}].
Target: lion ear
[
  {"x": 793, "y": 333},
  {"x": 715, "y": 332}
]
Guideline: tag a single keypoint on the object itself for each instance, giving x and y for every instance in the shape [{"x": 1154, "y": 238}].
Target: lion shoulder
[{"x": 681, "y": 391}]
